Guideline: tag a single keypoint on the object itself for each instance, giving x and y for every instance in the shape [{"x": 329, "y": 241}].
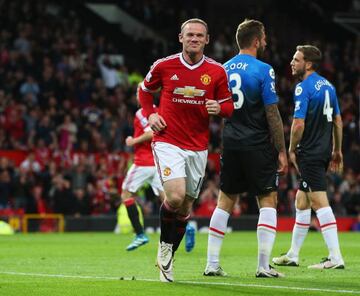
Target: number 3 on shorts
[{"x": 238, "y": 95}]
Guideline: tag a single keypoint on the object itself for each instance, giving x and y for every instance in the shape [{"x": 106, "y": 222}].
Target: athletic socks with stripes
[
  {"x": 217, "y": 229},
  {"x": 329, "y": 231},
  {"x": 300, "y": 230},
  {"x": 266, "y": 232}
]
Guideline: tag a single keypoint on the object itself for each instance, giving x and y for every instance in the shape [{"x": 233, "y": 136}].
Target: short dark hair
[
  {"x": 195, "y": 20},
  {"x": 247, "y": 31},
  {"x": 311, "y": 54}
]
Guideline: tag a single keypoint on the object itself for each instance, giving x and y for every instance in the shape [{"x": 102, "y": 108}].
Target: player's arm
[
  {"x": 336, "y": 164},
  {"x": 277, "y": 133},
  {"x": 296, "y": 133},
  {"x": 223, "y": 104},
  {"x": 146, "y": 99},
  {"x": 151, "y": 84},
  {"x": 145, "y": 137},
  {"x": 223, "y": 108}
]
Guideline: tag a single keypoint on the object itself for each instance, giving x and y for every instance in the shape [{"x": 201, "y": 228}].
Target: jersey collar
[{"x": 194, "y": 66}]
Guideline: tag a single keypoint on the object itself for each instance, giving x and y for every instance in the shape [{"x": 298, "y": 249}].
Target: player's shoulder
[
  {"x": 299, "y": 89},
  {"x": 165, "y": 60},
  {"x": 264, "y": 67},
  {"x": 212, "y": 63}
]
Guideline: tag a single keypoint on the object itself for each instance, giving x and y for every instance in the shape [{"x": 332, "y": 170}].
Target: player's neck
[
  {"x": 192, "y": 59},
  {"x": 249, "y": 51},
  {"x": 307, "y": 74}
]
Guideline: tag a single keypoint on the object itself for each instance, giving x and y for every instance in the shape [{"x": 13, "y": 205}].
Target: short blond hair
[{"x": 195, "y": 20}]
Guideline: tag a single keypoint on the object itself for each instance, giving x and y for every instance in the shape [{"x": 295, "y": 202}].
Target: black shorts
[
  {"x": 252, "y": 171},
  {"x": 313, "y": 174}
]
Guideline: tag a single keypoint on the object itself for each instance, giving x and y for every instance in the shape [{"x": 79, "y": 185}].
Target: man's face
[
  {"x": 194, "y": 38},
  {"x": 298, "y": 65},
  {"x": 261, "y": 45}
]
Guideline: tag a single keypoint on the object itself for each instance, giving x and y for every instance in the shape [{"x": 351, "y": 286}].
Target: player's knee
[
  {"x": 268, "y": 200},
  {"x": 175, "y": 199},
  {"x": 226, "y": 202},
  {"x": 319, "y": 202}
]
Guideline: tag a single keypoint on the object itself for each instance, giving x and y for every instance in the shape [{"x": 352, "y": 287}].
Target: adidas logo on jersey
[{"x": 174, "y": 77}]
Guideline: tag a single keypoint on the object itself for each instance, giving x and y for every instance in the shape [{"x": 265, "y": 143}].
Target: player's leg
[
  {"x": 315, "y": 182},
  {"x": 174, "y": 197},
  {"x": 232, "y": 181},
  {"x": 217, "y": 230},
  {"x": 300, "y": 230},
  {"x": 262, "y": 172},
  {"x": 170, "y": 162},
  {"x": 195, "y": 171},
  {"x": 181, "y": 222},
  {"x": 135, "y": 178},
  {"x": 328, "y": 227},
  {"x": 266, "y": 233}
]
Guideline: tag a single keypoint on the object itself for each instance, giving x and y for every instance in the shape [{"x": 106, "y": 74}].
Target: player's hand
[
  {"x": 283, "y": 163},
  {"x": 212, "y": 107},
  {"x": 157, "y": 122},
  {"x": 336, "y": 163},
  {"x": 292, "y": 157},
  {"x": 129, "y": 141}
]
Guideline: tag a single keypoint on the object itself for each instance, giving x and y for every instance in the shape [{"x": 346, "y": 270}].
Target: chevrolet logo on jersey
[{"x": 189, "y": 92}]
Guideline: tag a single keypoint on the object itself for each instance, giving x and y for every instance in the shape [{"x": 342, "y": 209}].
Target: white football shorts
[
  {"x": 174, "y": 162},
  {"x": 137, "y": 176}
]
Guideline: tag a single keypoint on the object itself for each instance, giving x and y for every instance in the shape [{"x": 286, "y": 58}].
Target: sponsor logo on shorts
[
  {"x": 167, "y": 172},
  {"x": 305, "y": 185},
  {"x": 205, "y": 79}
]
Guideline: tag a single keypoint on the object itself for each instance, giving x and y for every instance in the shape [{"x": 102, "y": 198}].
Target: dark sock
[
  {"x": 180, "y": 222},
  {"x": 133, "y": 214},
  {"x": 167, "y": 222}
]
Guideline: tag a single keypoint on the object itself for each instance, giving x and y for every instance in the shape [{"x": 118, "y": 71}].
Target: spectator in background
[
  {"x": 109, "y": 73},
  {"x": 30, "y": 165},
  {"x": 5, "y": 189},
  {"x": 30, "y": 91},
  {"x": 67, "y": 134}
]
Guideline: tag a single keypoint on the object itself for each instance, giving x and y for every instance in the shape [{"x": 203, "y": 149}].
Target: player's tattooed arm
[{"x": 276, "y": 127}]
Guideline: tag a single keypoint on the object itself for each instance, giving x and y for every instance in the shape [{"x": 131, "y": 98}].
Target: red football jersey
[
  {"x": 184, "y": 90},
  {"x": 142, "y": 152}
]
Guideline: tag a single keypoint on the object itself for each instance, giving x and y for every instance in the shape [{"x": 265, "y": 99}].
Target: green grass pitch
[{"x": 93, "y": 263}]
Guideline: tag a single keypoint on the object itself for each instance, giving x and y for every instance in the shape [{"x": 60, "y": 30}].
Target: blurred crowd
[{"x": 67, "y": 99}]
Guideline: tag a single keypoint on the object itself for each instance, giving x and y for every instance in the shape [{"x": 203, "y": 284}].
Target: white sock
[
  {"x": 300, "y": 230},
  {"x": 217, "y": 229},
  {"x": 266, "y": 232},
  {"x": 329, "y": 231}
]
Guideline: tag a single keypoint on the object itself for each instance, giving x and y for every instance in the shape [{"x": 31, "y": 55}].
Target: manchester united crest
[
  {"x": 167, "y": 172},
  {"x": 205, "y": 79}
]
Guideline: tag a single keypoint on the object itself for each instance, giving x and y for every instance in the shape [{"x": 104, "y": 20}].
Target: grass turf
[{"x": 93, "y": 263}]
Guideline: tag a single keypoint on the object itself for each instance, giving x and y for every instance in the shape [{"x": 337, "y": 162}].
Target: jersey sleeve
[
  {"x": 142, "y": 120},
  {"x": 301, "y": 100},
  {"x": 268, "y": 90},
  {"x": 222, "y": 90},
  {"x": 153, "y": 81}
]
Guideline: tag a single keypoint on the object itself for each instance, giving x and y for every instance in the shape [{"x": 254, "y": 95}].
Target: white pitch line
[{"x": 180, "y": 282}]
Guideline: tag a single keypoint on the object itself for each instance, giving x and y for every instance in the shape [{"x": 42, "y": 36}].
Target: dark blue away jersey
[
  {"x": 252, "y": 83},
  {"x": 316, "y": 102}
]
